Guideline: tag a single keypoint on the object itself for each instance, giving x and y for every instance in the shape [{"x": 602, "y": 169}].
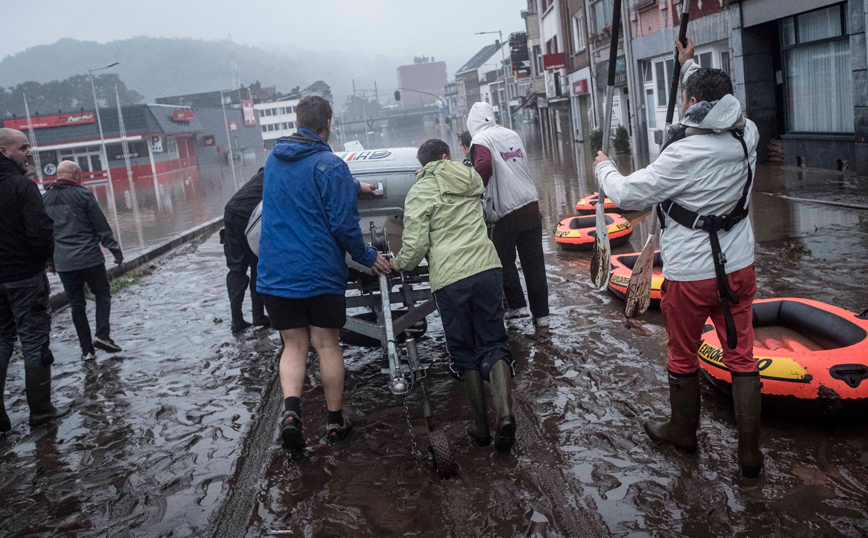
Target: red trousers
[{"x": 687, "y": 305}]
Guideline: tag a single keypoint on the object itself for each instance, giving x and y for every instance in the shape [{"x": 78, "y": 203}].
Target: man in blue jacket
[{"x": 310, "y": 220}]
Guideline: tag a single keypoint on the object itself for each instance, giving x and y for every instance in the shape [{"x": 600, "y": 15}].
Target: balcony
[{"x": 641, "y": 5}]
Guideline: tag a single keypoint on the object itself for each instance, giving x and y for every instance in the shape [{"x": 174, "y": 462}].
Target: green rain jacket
[{"x": 443, "y": 219}]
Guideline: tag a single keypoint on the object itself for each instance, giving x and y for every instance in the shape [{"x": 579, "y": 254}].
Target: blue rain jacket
[{"x": 310, "y": 220}]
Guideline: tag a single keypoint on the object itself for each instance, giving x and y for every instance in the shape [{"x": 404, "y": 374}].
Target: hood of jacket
[
  {"x": 452, "y": 178},
  {"x": 299, "y": 145},
  {"x": 480, "y": 118},
  {"x": 8, "y": 167},
  {"x": 716, "y": 116}
]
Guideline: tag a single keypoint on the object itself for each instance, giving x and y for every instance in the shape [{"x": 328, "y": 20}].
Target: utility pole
[
  {"x": 104, "y": 157},
  {"x": 228, "y": 140},
  {"x": 37, "y": 163},
  {"x": 632, "y": 87}
]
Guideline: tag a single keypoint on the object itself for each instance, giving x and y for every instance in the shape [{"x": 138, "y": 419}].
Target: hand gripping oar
[
  {"x": 601, "y": 260},
  {"x": 639, "y": 288}
]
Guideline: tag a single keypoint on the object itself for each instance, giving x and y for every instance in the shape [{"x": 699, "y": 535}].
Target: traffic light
[{"x": 397, "y": 95}]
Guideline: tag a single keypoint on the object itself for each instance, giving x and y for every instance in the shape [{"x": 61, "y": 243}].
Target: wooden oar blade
[
  {"x": 639, "y": 288},
  {"x": 601, "y": 259}
]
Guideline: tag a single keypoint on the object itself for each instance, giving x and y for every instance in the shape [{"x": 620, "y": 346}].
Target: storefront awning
[{"x": 85, "y": 143}]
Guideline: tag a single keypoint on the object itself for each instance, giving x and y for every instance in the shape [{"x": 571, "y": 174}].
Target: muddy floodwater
[{"x": 176, "y": 435}]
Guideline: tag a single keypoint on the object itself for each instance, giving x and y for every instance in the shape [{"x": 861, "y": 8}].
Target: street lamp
[
  {"x": 442, "y": 106},
  {"x": 505, "y": 84},
  {"x": 228, "y": 140},
  {"x": 105, "y": 160}
]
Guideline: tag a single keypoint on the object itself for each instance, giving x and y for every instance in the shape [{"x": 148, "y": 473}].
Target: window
[
  {"x": 819, "y": 75},
  {"x": 705, "y": 60},
  {"x": 601, "y": 15},
  {"x": 661, "y": 83},
  {"x": 261, "y": 113},
  {"x": 537, "y": 54},
  {"x": 724, "y": 63},
  {"x": 292, "y": 125},
  {"x": 649, "y": 73},
  {"x": 651, "y": 109},
  {"x": 546, "y": 4},
  {"x": 579, "y": 31}
]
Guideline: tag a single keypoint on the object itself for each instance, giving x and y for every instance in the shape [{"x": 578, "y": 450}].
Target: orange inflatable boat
[
  {"x": 622, "y": 269},
  {"x": 581, "y": 232},
  {"x": 588, "y": 204},
  {"x": 807, "y": 350}
]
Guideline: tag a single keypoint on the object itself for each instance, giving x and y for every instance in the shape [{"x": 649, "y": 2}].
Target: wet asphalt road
[{"x": 175, "y": 436}]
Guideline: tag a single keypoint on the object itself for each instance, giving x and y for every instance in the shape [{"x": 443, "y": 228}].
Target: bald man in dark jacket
[{"x": 26, "y": 245}]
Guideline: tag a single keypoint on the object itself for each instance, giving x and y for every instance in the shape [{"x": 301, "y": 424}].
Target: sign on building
[
  {"x": 209, "y": 140},
  {"x": 233, "y": 126},
  {"x": 157, "y": 144},
  {"x": 249, "y": 112},
  {"x": 182, "y": 115},
  {"x": 557, "y": 60},
  {"x": 59, "y": 120}
]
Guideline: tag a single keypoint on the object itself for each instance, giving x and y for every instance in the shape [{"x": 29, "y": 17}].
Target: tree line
[{"x": 62, "y": 96}]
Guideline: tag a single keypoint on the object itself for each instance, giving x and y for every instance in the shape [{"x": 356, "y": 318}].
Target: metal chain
[{"x": 413, "y": 446}]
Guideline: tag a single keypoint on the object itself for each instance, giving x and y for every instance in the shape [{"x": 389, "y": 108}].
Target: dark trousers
[
  {"x": 24, "y": 314},
  {"x": 522, "y": 233},
  {"x": 239, "y": 258},
  {"x": 472, "y": 314},
  {"x": 97, "y": 280}
]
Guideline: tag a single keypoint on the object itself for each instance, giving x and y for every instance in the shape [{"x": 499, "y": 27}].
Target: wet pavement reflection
[{"x": 176, "y": 435}]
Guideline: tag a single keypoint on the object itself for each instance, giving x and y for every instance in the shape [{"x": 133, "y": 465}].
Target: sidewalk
[{"x": 156, "y": 428}]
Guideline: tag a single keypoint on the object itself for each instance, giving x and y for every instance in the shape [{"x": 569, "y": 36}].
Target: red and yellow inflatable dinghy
[
  {"x": 622, "y": 269},
  {"x": 806, "y": 350},
  {"x": 588, "y": 204},
  {"x": 581, "y": 232}
]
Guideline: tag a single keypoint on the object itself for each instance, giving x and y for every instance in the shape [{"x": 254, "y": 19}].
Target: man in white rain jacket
[
  {"x": 702, "y": 182},
  {"x": 511, "y": 203}
]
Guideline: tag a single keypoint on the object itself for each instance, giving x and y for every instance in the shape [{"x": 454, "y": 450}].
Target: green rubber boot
[
  {"x": 500, "y": 378},
  {"x": 479, "y": 430},
  {"x": 38, "y": 386},
  {"x": 746, "y": 397},
  {"x": 680, "y": 429}
]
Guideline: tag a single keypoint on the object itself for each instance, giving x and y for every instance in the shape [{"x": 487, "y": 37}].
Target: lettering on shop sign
[{"x": 59, "y": 120}]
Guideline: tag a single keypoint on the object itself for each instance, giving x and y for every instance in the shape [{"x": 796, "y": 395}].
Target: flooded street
[{"x": 176, "y": 436}]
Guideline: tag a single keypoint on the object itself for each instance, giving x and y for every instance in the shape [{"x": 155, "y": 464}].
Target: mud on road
[{"x": 176, "y": 436}]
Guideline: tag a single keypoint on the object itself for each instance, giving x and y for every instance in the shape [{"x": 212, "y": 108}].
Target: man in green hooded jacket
[{"x": 443, "y": 220}]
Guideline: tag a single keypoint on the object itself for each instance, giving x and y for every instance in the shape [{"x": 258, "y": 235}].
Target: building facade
[{"x": 276, "y": 119}]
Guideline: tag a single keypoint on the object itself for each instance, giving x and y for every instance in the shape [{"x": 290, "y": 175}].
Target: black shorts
[{"x": 328, "y": 311}]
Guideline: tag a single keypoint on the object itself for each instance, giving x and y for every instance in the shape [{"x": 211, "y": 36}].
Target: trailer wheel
[{"x": 442, "y": 454}]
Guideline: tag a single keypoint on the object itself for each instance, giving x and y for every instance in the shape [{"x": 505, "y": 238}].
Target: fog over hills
[{"x": 157, "y": 67}]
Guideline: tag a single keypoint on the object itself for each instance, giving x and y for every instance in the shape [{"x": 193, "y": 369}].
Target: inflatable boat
[
  {"x": 622, "y": 269},
  {"x": 588, "y": 205},
  {"x": 580, "y": 232},
  {"x": 806, "y": 350}
]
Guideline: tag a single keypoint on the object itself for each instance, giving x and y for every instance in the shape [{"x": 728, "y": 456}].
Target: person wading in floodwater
[
  {"x": 443, "y": 221},
  {"x": 511, "y": 204},
  {"x": 310, "y": 220},
  {"x": 79, "y": 229},
  {"x": 702, "y": 182}
]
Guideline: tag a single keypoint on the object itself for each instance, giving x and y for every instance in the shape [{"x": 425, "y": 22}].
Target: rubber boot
[
  {"x": 680, "y": 429},
  {"x": 500, "y": 378},
  {"x": 38, "y": 385},
  {"x": 746, "y": 398},
  {"x": 479, "y": 430},
  {"x": 5, "y": 423}
]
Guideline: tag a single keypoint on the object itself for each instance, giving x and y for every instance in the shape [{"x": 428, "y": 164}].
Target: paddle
[
  {"x": 601, "y": 260},
  {"x": 639, "y": 288}
]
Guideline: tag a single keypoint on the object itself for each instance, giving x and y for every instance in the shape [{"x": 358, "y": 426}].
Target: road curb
[{"x": 58, "y": 300}]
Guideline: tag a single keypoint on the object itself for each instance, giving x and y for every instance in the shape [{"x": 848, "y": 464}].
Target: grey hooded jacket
[
  {"x": 79, "y": 228},
  {"x": 706, "y": 173}
]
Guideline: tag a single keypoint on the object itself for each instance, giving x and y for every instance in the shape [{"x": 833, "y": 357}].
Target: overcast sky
[{"x": 390, "y": 27}]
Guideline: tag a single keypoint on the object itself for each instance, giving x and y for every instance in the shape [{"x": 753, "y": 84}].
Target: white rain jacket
[
  {"x": 706, "y": 173},
  {"x": 510, "y": 186}
]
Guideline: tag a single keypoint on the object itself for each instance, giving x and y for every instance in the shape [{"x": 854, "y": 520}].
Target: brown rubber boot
[
  {"x": 746, "y": 397},
  {"x": 680, "y": 429},
  {"x": 500, "y": 378},
  {"x": 479, "y": 430}
]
